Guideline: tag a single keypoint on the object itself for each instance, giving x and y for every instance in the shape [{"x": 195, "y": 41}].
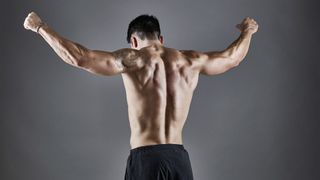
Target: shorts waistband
[{"x": 156, "y": 147}]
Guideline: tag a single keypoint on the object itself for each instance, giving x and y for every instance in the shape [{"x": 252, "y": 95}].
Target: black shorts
[{"x": 159, "y": 162}]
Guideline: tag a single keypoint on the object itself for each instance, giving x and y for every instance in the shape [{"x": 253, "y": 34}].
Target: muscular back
[
  {"x": 159, "y": 95},
  {"x": 159, "y": 81}
]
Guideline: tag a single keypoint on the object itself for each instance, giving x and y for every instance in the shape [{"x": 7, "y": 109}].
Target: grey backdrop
[{"x": 259, "y": 121}]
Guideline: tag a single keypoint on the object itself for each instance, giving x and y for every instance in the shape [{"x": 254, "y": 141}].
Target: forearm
[
  {"x": 239, "y": 48},
  {"x": 70, "y": 52}
]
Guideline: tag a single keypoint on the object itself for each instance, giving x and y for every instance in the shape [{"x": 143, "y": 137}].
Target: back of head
[{"x": 145, "y": 26}]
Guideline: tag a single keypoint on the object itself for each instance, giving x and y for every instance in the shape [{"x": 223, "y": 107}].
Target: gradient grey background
[{"x": 259, "y": 121}]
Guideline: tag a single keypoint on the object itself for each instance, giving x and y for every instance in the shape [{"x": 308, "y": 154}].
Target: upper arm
[
  {"x": 110, "y": 63},
  {"x": 213, "y": 62}
]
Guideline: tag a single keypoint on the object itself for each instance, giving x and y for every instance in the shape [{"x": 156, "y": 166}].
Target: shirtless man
[{"x": 159, "y": 83}]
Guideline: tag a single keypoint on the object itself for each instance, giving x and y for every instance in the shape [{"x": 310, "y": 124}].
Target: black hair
[{"x": 146, "y": 26}]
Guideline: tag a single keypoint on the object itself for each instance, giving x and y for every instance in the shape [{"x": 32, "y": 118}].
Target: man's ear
[
  {"x": 134, "y": 42},
  {"x": 161, "y": 39}
]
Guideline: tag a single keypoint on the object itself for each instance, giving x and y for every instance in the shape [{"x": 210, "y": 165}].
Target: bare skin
[{"x": 159, "y": 81}]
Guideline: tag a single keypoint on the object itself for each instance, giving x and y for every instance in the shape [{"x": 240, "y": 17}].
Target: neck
[{"x": 149, "y": 43}]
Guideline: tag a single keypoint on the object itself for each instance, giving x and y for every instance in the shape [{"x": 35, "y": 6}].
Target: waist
[
  {"x": 147, "y": 139},
  {"x": 156, "y": 147}
]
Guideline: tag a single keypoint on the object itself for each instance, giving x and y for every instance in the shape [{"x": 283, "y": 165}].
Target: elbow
[
  {"x": 75, "y": 62},
  {"x": 80, "y": 61},
  {"x": 79, "y": 56},
  {"x": 234, "y": 62},
  {"x": 233, "y": 58},
  {"x": 71, "y": 59}
]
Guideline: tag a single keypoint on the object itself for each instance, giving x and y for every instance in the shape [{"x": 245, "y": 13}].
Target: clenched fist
[
  {"x": 32, "y": 22},
  {"x": 248, "y": 25}
]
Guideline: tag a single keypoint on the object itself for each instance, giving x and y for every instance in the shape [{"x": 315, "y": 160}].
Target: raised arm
[
  {"x": 217, "y": 62},
  {"x": 94, "y": 61}
]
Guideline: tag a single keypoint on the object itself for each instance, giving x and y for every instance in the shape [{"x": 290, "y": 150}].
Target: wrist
[
  {"x": 246, "y": 33},
  {"x": 39, "y": 26}
]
